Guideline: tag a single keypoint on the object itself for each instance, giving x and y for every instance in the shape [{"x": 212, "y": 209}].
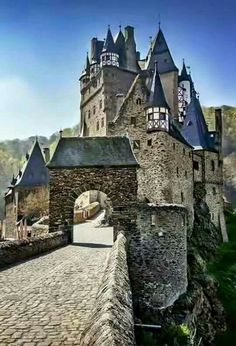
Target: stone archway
[{"x": 118, "y": 183}]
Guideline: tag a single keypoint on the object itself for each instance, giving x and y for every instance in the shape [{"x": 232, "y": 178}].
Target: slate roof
[
  {"x": 109, "y": 45},
  {"x": 34, "y": 171},
  {"x": 194, "y": 128},
  {"x": 78, "y": 152},
  {"x": 120, "y": 48},
  {"x": 160, "y": 51},
  {"x": 157, "y": 96},
  {"x": 96, "y": 50},
  {"x": 184, "y": 74}
]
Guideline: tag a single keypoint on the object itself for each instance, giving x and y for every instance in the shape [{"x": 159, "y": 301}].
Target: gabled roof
[
  {"x": 157, "y": 96},
  {"x": 195, "y": 129},
  {"x": 109, "y": 45},
  {"x": 160, "y": 51},
  {"x": 78, "y": 152},
  {"x": 34, "y": 171}
]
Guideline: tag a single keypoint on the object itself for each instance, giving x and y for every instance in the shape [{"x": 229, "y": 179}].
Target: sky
[{"x": 43, "y": 45}]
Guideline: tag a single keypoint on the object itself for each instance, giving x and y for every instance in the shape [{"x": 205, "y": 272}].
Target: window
[
  {"x": 94, "y": 109},
  {"x": 186, "y": 174},
  {"x": 196, "y": 165},
  {"x": 102, "y": 122},
  {"x": 190, "y": 154},
  {"x": 214, "y": 191},
  {"x": 149, "y": 142},
  {"x": 183, "y": 151},
  {"x": 182, "y": 197},
  {"x": 100, "y": 104},
  {"x": 153, "y": 220},
  {"x": 212, "y": 165},
  {"x": 138, "y": 101},
  {"x": 177, "y": 171},
  {"x": 89, "y": 113},
  {"x": 97, "y": 125},
  {"x": 136, "y": 144},
  {"x": 133, "y": 121},
  {"x": 174, "y": 146}
]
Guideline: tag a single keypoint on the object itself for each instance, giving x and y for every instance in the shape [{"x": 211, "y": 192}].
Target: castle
[
  {"x": 145, "y": 143},
  {"x": 159, "y": 110}
]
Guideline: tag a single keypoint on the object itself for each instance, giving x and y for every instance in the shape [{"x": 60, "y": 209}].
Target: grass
[{"x": 224, "y": 270}]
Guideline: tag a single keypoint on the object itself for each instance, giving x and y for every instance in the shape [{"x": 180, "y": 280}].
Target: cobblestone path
[{"x": 46, "y": 300}]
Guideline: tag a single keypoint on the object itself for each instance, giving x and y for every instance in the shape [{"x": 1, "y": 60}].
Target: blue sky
[{"x": 44, "y": 43}]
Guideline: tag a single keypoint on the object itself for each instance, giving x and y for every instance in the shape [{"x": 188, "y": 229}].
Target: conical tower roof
[
  {"x": 184, "y": 74},
  {"x": 157, "y": 96},
  {"x": 195, "y": 129},
  {"x": 160, "y": 51},
  {"x": 120, "y": 48},
  {"x": 109, "y": 45},
  {"x": 34, "y": 171}
]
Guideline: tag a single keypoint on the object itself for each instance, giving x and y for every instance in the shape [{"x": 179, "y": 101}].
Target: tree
[{"x": 36, "y": 203}]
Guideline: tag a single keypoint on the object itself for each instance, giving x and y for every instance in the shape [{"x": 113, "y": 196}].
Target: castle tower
[
  {"x": 184, "y": 92},
  {"x": 109, "y": 56},
  {"x": 157, "y": 109},
  {"x": 166, "y": 67}
]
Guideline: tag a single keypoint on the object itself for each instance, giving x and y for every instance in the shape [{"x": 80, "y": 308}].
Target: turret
[
  {"x": 130, "y": 50},
  {"x": 85, "y": 76},
  {"x": 157, "y": 109},
  {"x": 109, "y": 54}
]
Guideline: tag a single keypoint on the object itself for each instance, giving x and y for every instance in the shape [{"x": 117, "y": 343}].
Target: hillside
[
  {"x": 12, "y": 152},
  {"x": 12, "y": 155}
]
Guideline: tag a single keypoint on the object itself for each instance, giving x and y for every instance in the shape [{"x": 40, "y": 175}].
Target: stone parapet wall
[
  {"x": 111, "y": 322},
  {"x": 17, "y": 250}
]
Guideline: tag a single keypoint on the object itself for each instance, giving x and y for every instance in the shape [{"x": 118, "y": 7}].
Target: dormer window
[{"x": 157, "y": 119}]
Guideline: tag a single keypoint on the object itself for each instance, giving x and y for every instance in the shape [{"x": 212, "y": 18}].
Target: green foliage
[
  {"x": 12, "y": 156},
  {"x": 224, "y": 270}
]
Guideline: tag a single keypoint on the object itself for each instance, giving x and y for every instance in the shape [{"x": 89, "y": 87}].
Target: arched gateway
[{"x": 81, "y": 164}]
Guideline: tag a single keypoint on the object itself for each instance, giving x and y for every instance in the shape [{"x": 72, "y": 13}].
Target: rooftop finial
[
  {"x": 159, "y": 22},
  {"x": 109, "y": 27}
]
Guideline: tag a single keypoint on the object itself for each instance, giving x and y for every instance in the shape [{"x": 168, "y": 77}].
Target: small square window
[
  {"x": 196, "y": 165},
  {"x": 212, "y": 165},
  {"x": 136, "y": 144},
  {"x": 149, "y": 142},
  {"x": 133, "y": 121},
  {"x": 162, "y": 116}
]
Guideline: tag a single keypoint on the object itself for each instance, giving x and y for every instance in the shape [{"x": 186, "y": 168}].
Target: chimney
[
  {"x": 129, "y": 33},
  {"x": 93, "y": 49},
  {"x": 46, "y": 152}
]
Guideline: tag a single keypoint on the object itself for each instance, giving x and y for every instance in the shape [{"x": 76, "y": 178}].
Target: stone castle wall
[
  {"x": 18, "y": 250},
  {"x": 119, "y": 184},
  {"x": 157, "y": 258},
  {"x": 111, "y": 321},
  {"x": 99, "y": 98},
  {"x": 165, "y": 174},
  {"x": 10, "y": 220}
]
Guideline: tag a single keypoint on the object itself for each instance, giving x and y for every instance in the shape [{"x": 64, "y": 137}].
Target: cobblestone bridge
[{"x": 46, "y": 300}]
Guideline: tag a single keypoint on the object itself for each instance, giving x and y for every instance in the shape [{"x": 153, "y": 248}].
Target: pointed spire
[
  {"x": 157, "y": 96},
  {"x": 160, "y": 52},
  {"x": 87, "y": 67},
  {"x": 120, "y": 48},
  {"x": 109, "y": 45},
  {"x": 184, "y": 74},
  {"x": 195, "y": 129}
]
